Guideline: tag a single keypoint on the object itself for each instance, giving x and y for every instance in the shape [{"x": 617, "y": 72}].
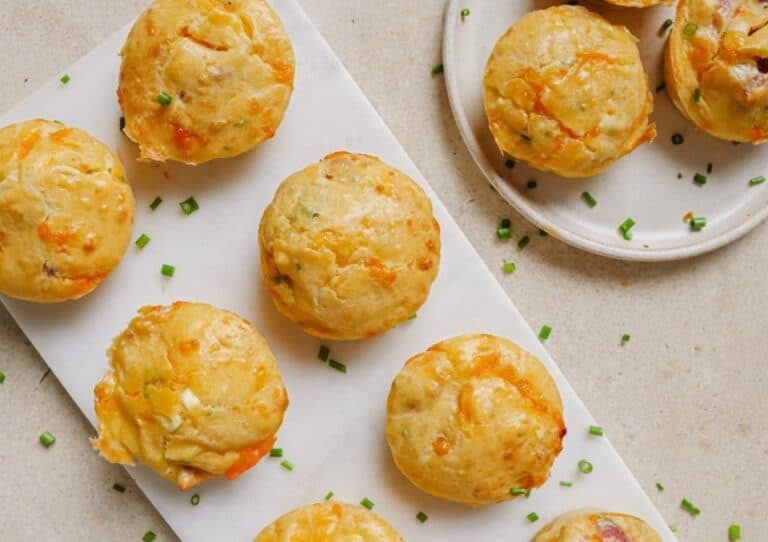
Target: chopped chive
[
  {"x": 690, "y": 29},
  {"x": 698, "y": 223},
  {"x": 585, "y": 466},
  {"x": 545, "y": 332},
  {"x": 122, "y": 123},
  {"x": 565, "y": 483},
  {"x": 156, "y": 203},
  {"x": 438, "y": 69},
  {"x": 504, "y": 233},
  {"x": 2, "y": 377},
  {"x": 195, "y": 499},
  {"x": 65, "y": 79},
  {"x": 287, "y": 465},
  {"x": 464, "y": 13},
  {"x": 506, "y": 223},
  {"x": 164, "y": 99},
  {"x": 329, "y": 496},
  {"x": 276, "y": 452},
  {"x": 189, "y": 205},
  {"x": 660, "y": 87},
  {"x": 333, "y": 364},
  {"x": 689, "y": 507},
  {"x": 677, "y": 139},
  {"x": 323, "y": 353},
  {"x": 167, "y": 270},
  {"x": 143, "y": 240},
  {"x": 596, "y": 430},
  {"x": 120, "y": 488},
  {"x": 533, "y": 517},
  {"x": 149, "y": 536},
  {"x": 47, "y": 439},
  {"x": 626, "y": 228},
  {"x": 659, "y": 486},
  {"x": 422, "y": 517},
  {"x": 589, "y": 199},
  {"x": 510, "y": 163},
  {"x": 673, "y": 527},
  {"x": 697, "y": 95},
  {"x": 625, "y": 338},
  {"x": 757, "y": 180},
  {"x": 734, "y": 533},
  {"x": 710, "y": 168},
  {"x": 367, "y": 503},
  {"x": 530, "y": 185},
  {"x": 520, "y": 491},
  {"x": 413, "y": 316},
  {"x": 523, "y": 242},
  {"x": 700, "y": 179},
  {"x": 508, "y": 268},
  {"x": 667, "y": 24}
]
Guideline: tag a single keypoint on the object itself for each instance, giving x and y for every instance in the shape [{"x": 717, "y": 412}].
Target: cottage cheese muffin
[
  {"x": 66, "y": 211},
  {"x": 597, "y": 526},
  {"x": 565, "y": 91},
  {"x": 717, "y": 67},
  {"x": 473, "y": 418},
  {"x": 329, "y": 522},
  {"x": 192, "y": 391},
  {"x": 349, "y": 247},
  {"x": 205, "y": 79},
  {"x": 638, "y": 3}
]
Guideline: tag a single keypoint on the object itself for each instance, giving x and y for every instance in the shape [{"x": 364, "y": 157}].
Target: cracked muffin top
[
  {"x": 349, "y": 247},
  {"x": 66, "y": 211},
  {"x": 204, "y": 79},
  {"x": 192, "y": 391},
  {"x": 565, "y": 91}
]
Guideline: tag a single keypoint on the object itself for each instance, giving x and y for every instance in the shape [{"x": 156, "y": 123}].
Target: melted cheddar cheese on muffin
[
  {"x": 349, "y": 247},
  {"x": 329, "y": 522},
  {"x": 192, "y": 391},
  {"x": 205, "y": 79},
  {"x": 717, "y": 67},
  {"x": 565, "y": 91},
  {"x": 597, "y": 527},
  {"x": 474, "y": 417},
  {"x": 66, "y": 211}
]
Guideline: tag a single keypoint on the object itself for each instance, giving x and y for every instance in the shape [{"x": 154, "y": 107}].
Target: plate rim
[{"x": 521, "y": 205}]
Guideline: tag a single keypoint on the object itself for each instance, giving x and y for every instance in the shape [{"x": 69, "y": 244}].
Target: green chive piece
[
  {"x": 625, "y": 338},
  {"x": 757, "y": 180},
  {"x": 523, "y": 242},
  {"x": 734, "y": 532},
  {"x": 506, "y": 223},
  {"x": 422, "y": 517},
  {"x": 164, "y": 99},
  {"x": 120, "y": 488},
  {"x": 333, "y": 364},
  {"x": 65, "y": 79},
  {"x": 690, "y": 29},
  {"x": 673, "y": 528},
  {"x": 323, "y": 353},
  {"x": 438, "y": 69},
  {"x": 464, "y": 13},
  {"x": 697, "y": 95},
  {"x": 589, "y": 199},
  {"x": 167, "y": 270},
  {"x": 143, "y": 240},
  {"x": 698, "y": 223},
  {"x": 677, "y": 139},
  {"x": 710, "y": 168},
  {"x": 520, "y": 491},
  {"x": 329, "y": 496},
  {"x": 287, "y": 465},
  {"x": 47, "y": 439},
  {"x": 2, "y": 377},
  {"x": 585, "y": 466},
  {"x": 530, "y": 185},
  {"x": 659, "y": 486},
  {"x": 660, "y": 87},
  {"x": 700, "y": 179},
  {"x": 156, "y": 203},
  {"x": 667, "y": 24},
  {"x": 545, "y": 332},
  {"x": 122, "y": 123},
  {"x": 413, "y": 316},
  {"x": 565, "y": 483},
  {"x": 508, "y": 268},
  {"x": 195, "y": 499},
  {"x": 189, "y": 206},
  {"x": 596, "y": 430},
  {"x": 367, "y": 503},
  {"x": 626, "y": 228},
  {"x": 533, "y": 517},
  {"x": 689, "y": 507},
  {"x": 149, "y": 536},
  {"x": 504, "y": 233},
  {"x": 276, "y": 452},
  {"x": 510, "y": 163}
]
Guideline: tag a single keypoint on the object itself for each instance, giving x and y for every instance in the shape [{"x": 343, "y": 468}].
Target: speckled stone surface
[{"x": 684, "y": 402}]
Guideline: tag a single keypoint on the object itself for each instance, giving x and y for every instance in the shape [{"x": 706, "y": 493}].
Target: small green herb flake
[
  {"x": 464, "y": 13},
  {"x": 333, "y": 364},
  {"x": 698, "y": 223},
  {"x": 520, "y": 492},
  {"x": 689, "y": 507},
  {"x": 323, "y": 353},
  {"x": 585, "y": 467},
  {"x": 47, "y": 439},
  {"x": 422, "y": 517},
  {"x": 195, "y": 499},
  {"x": 367, "y": 503},
  {"x": 700, "y": 179},
  {"x": 508, "y": 268},
  {"x": 413, "y": 316},
  {"x": 65, "y": 79},
  {"x": 595, "y": 430},
  {"x": 545, "y": 332},
  {"x": 673, "y": 527},
  {"x": 533, "y": 517},
  {"x": 566, "y": 483},
  {"x": 276, "y": 452},
  {"x": 626, "y": 228},
  {"x": 690, "y": 29},
  {"x": 149, "y": 536},
  {"x": 287, "y": 465},
  {"x": 734, "y": 533},
  {"x": 120, "y": 488},
  {"x": 2, "y": 377},
  {"x": 504, "y": 233},
  {"x": 659, "y": 486},
  {"x": 697, "y": 95},
  {"x": 757, "y": 180},
  {"x": 189, "y": 206},
  {"x": 589, "y": 199},
  {"x": 667, "y": 24},
  {"x": 143, "y": 240},
  {"x": 438, "y": 69},
  {"x": 523, "y": 242},
  {"x": 677, "y": 139},
  {"x": 167, "y": 270},
  {"x": 329, "y": 496},
  {"x": 625, "y": 338},
  {"x": 156, "y": 203},
  {"x": 164, "y": 99}
]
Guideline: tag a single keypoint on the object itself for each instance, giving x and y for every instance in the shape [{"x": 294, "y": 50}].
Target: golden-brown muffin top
[
  {"x": 474, "y": 417},
  {"x": 329, "y": 522},
  {"x": 192, "y": 391},
  {"x": 223, "y": 70},
  {"x": 638, "y": 3},
  {"x": 66, "y": 211},
  {"x": 565, "y": 91},
  {"x": 597, "y": 526},
  {"x": 349, "y": 247},
  {"x": 717, "y": 72}
]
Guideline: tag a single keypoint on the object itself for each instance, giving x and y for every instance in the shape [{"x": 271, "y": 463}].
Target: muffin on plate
[
  {"x": 716, "y": 67},
  {"x": 66, "y": 211},
  {"x": 192, "y": 391},
  {"x": 603, "y": 526},
  {"x": 349, "y": 247},
  {"x": 565, "y": 91},
  {"x": 329, "y": 522},
  {"x": 475, "y": 419},
  {"x": 204, "y": 79},
  {"x": 638, "y": 3}
]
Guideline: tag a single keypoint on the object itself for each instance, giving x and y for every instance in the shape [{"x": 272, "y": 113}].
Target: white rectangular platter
[{"x": 334, "y": 429}]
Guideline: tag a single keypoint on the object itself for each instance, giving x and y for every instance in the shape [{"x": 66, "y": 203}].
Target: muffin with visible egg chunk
[
  {"x": 349, "y": 247},
  {"x": 329, "y": 522},
  {"x": 598, "y": 526},
  {"x": 475, "y": 419},
  {"x": 205, "y": 79},
  {"x": 716, "y": 67},
  {"x": 66, "y": 211},
  {"x": 192, "y": 391},
  {"x": 565, "y": 91}
]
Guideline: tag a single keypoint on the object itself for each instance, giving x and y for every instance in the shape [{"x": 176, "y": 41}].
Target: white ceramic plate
[
  {"x": 643, "y": 185},
  {"x": 334, "y": 428}
]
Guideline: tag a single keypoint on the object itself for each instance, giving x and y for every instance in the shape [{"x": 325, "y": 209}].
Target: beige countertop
[{"x": 684, "y": 402}]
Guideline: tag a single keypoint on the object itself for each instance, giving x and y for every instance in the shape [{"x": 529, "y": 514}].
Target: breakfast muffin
[
  {"x": 565, "y": 91},
  {"x": 717, "y": 67},
  {"x": 329, "y": 522},
  {"x": 600, "y": 526},
  {"x": 192, "y": 391},
  {"x": 66, "y": 211},
  {"x": 349, "y": 247},
  {"x": 638, "y": 3},
  {"x": 475, "y": 419},
  {"x": 204, "y": 79}
]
